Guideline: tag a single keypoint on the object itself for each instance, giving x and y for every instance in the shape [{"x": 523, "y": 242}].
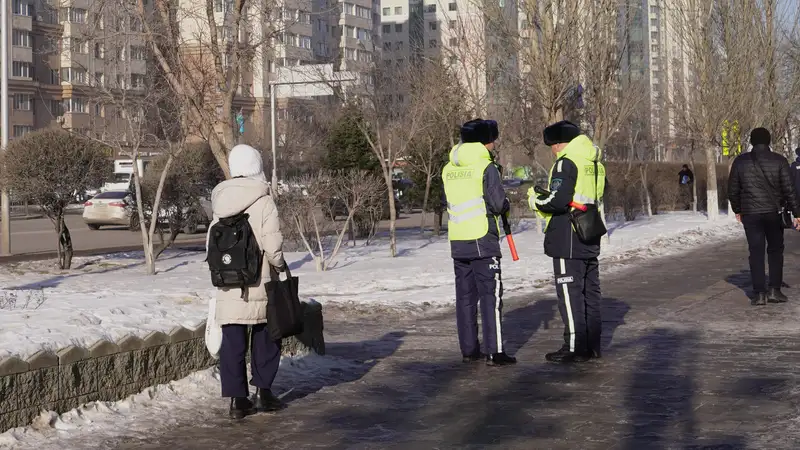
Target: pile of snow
[
  {"x": 109, "y": 297},
  {"x": 163, "y": 406}
]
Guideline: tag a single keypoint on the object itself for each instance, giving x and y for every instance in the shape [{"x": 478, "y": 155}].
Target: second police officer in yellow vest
[
  {"x": 576, "y": 269},
  {"x": 475, "y": 199}
]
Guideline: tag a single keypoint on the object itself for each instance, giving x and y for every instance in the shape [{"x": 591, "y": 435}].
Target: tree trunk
[
  {"x": 387, "y": 175},
  {"x": 694, "y": 182},
  {"x": 646, "y": 204},
  {"x": 712, "y": 200},
  {"x": 437, "y": 222},
  {"x": 64, "y": 243},
  {"x": 425, "y": 202}
]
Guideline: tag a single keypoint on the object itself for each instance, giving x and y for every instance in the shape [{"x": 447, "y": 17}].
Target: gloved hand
[{"x": 506, "y": 206}]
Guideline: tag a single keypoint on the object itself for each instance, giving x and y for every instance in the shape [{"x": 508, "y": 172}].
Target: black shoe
[
  {"x": 241, "y": 407},
  {"x": 776, "y": 296},
  {"x": 595, "y": 354},
  {"x": 500, "y": 359},
  {"x": 760, "y": 299},
  {"x": 267, "y": 402},
  {"x": 473, "y": 357},
  {"x": 565, "y": 356}
]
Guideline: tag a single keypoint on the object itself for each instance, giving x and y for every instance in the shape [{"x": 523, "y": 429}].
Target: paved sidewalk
[{"x": 688, "y": 364}]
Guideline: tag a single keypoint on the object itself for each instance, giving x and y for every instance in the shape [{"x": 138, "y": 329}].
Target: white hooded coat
[{"x": 250, "y": 195}]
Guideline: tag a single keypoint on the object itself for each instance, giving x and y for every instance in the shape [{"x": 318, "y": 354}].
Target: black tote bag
[
  {"x": 589, "y": 224},
  {"x": 284, "y": 312}
]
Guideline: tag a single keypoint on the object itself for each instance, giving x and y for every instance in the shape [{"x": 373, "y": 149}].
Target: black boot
[
  {"x": 500, "y": 359},
  {"x": 567, "y": 357},
  {"x": 776, "y": 296},
  {"x": 241, "y": 407},
  {"x": 760, "y": 299},
  {"x": 477, "y": 356},
  {"x": 267, "y": 402}
]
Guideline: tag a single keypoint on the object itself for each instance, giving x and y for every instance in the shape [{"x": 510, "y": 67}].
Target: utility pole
[{"x": 5, "y": 207}]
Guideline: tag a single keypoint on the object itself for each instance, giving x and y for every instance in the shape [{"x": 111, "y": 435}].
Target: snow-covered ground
[
  {"x": 109, "y": 297},
  {"x": 160, "y": 407}
]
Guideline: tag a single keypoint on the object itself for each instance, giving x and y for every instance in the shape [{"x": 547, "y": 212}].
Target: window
[
  {"x": 453, "y": 24},
  {"x": 398, "y": 28},
  {"x": 137, "y": 81},
  {"x": 121, "y": 82},
  {"x": 349, "y": 9},
  {"x": 654, "y": 34},
  {"x": 21, "y": 38},
  {"x": 99, "y": 79},
  {"x": 55, "y": 77},
  {"x": 654, "y": 10},
  {"x": 136, "y": 25},
  {"x": 247, "y": 90},
  {"x": 305, "y": 42},
  {"x": 73, "y": 75},
  {"x": 430, "y": 8},
  {"x": 433, "y": 43},
  {"x": 137, "y": 53},
  {"x": 654, "y": 22},
  {"x": 22, "y": 8},
  {"x": 432, "y": 26},
  {"x": 362, "y": 34},
  {"x": 502, "y": 3},
  {"x": 79, "y": 46},
  {"x": 398, "y": 10},
  {"x": 121, "y": 54},
  {"x": 304, "y": 17},
  {"x": 387, "y": 11},
  {"x": 453, "y": 42},
  {"x": 55, "y": 107},
  {"x": 363, "y": 12},
  {"x": 452, "y": 6},
  {"x": 655, "y": 48},
  {"x": 398, "y": 45},
  {"x": 99, "y": 110},
  {"x": 74, "y": 105},
  {"x": 21, "y": 69},
  {"x": 386, "y": 29},
  {"x": 22, "y": 130},
  {"x": 23, "y": 102},
  {"x": 72, "y": 15},
  {"x": 218, "y": 6},
  {"x": 99, "y": 50},
  {"x": 350, "y": 31},
  {"x": 387, "y": 46},
  {"x": 350, "y": 54}
]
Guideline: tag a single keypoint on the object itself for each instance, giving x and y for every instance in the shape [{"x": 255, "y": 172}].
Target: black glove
[
  {"x": 281, "y": 268},
  {"x": 506, "y": 206}
]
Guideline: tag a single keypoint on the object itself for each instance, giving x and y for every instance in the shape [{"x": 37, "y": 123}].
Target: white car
[{"x": 108, "y": 208}]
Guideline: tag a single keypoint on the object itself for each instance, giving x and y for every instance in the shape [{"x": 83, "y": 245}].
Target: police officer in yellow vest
[
  {"x": 577, "y": 275},
  {"x": 475, "y": 200}
]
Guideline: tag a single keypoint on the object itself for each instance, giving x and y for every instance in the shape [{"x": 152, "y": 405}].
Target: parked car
[{"x": 108, "y": 208}]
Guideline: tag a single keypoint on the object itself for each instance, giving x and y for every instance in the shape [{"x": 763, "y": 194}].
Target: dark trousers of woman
[
  {"x": 265, "y": 356},
  {"x": 764, "y": 232}
]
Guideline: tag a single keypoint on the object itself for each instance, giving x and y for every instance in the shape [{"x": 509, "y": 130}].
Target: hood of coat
[
  {"x": 234, "y": 196},
  {"x": 581, "y": 148},
  {"x": 468, "y": 153}
]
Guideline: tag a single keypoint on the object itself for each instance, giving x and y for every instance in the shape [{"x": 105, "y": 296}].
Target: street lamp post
[
  {"x": 5, "y": 208},
  {"x": 272, "y": 94}
]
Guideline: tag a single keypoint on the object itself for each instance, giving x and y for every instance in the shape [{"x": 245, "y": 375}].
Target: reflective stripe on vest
[
  {"x": 466, "y": 208},
  {"x": 584, "y": 185}
]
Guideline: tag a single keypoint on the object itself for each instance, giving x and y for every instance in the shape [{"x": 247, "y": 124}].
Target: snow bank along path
[{"x": 110, "y": 296}]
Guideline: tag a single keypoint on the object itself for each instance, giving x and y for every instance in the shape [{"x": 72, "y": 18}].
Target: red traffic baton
[{"x": 509, "y": 238}]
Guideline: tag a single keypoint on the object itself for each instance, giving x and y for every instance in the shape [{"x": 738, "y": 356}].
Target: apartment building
[{"x": 457, "y": 33}]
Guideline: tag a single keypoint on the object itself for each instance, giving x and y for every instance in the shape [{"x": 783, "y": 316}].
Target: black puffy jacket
[{"x": 760, "y": 183}]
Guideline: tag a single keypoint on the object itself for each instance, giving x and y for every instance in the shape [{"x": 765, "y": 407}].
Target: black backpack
[{"x": 234, "y": 256}]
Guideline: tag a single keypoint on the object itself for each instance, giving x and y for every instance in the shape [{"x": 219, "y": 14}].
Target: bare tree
[{"x": 48, "y": 167}]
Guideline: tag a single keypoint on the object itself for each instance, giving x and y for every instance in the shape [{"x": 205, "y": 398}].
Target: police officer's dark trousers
[
  {"x": 478, "y": 281},
  {"x": 265, "y": 356},
  {"x": 579, "y": 298}
]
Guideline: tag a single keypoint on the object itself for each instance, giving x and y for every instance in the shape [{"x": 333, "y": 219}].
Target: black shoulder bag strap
[{"x": 771, "y": 186}]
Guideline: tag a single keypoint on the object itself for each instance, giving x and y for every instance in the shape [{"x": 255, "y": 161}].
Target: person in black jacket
[
  {"x": 759, "y": 186},
  {"x": 796, "y": 171}
]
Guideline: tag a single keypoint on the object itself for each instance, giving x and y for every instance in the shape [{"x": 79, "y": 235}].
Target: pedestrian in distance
[
  {"x": 244, "y": 241},
  {"x": 762, "y": 196},
  {"x": 685, "y": 182},
  {"x": 475, "y": 199},
  {"x": 795, "y": 170},
  {"x": 577, "y": 180}
]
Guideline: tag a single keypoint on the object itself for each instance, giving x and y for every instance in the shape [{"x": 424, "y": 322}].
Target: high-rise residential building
[
  {"x": 457, "y": 33},
  {"x": 62, "y": 53}
]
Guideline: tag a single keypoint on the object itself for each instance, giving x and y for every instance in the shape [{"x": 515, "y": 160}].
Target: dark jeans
[
  {"x": 761, "y": 229},
  {"x": 265, "y": 356}
]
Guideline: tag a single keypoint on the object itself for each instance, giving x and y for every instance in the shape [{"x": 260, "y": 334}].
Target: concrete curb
[{"x": 111, "y": 371}]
